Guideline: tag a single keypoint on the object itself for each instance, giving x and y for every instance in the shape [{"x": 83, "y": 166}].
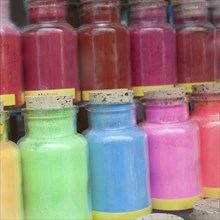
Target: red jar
[
  {"x": 195, "y": 43},
  {"x": 11, "y": 81},
  {"x": 104, "y": 52},
  {"x": 50, "y": 50}
]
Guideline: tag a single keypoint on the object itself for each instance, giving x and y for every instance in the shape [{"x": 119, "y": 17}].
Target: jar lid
[
  {"x": 160, "y": 216},
  {"x": 207, "y": 209},
  {"x": 206, "y": 89},
  {"x": 45, "y": 102},
  {"x": 111, "y": 96},
  {"x": 1, "y": 106},
  {"x": 170, "y": 93}
]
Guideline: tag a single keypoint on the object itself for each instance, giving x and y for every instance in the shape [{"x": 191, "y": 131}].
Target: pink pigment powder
[{"x": 173, "y": 152}]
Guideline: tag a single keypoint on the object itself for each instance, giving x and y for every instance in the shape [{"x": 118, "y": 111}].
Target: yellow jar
[{"x": 10, "y": 175}]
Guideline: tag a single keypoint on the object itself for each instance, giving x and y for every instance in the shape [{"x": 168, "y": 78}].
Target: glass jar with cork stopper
[
  {"x": 173, "y": 150},
  {"x": 118, "y": 157},
  {"x": 206, "y": 113},
  {"x": 54, "y": 160}
]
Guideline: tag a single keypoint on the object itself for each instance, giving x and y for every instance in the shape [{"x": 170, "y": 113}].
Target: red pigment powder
[{"x": 11, "y": 90}]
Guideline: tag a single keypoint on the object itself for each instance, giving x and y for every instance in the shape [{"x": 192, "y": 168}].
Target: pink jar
[{"x": 173, "y": 150}]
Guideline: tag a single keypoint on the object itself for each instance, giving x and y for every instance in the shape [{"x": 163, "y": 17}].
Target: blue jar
[{"x": 118, "y": 157}]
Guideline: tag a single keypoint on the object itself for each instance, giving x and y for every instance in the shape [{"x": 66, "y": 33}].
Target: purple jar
[{"x": 152, "y": 40}]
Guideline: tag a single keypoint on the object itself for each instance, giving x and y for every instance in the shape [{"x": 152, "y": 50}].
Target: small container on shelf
[
  {"x": 54, "y": 161},
  {"x": 153, "y": 49},
  {"x": 208, "y": 209},
  {"x": 195, "y": 43},
  {"x": 11, "y": 75},
  {"x": 173, "y": 141},
  {"x": 50, "y": 50},
  {"x": 104, "y": 48},
  {"x": 118, "y": 157},
  {"x": 11, "y": 206},
  {"x": 159, "y": 217},
  {"x": 214, "y": 13},
  {"x": 206, "y": 113}
]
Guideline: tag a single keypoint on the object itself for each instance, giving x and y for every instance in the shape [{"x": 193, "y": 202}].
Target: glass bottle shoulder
[
  {"x": 183, "y": 127},
  {"x": 50, "y": 143},
  {"x": 96, "y": 27},
  {"x": 47, "y": 27},
  {"x": 204, "y": 26},
  {"x": 131, "y": 133},
  {"x": 8, "y": 28},
  {"x": 207, "y": 121},
  {"x": 8, "y": 149}
]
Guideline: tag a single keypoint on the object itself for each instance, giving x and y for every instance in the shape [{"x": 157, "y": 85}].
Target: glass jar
[
  {"x": 195, "y": 43},
  {"x": 104, "y": 48},
  {"x": 10, "y": 174},
  {"x": 54, "y": 161},
  {"x": 173, "y": 150},
  {"x": 50, "y": 50},
  {"x": 207, "y": 115},
  {"x": 11, "y": 84},
  {"x": 153, "y": 52},
  {"x": 118, "y": 157},
  {"x": 214, "y": 12}
]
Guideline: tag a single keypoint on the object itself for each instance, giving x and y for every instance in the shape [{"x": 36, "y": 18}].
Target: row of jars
[
  {"x": 118, "y": 170},
  {"x": 111, "y": 56}
]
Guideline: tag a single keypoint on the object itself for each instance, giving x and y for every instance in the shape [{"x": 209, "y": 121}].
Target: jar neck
[
  {"x": 115, "y": 116},
  {"x": 43, "y": 11},
  {"x": 167, "y": 113},
  {"x": 4, "y": 117},
  {"x": 50, "y": 123},
  {"x": 215, "y": 16},
  {"x": 142, "y": 14},
  {"x": 207, "y": 105},
  {"x": 100, "y": 12},
  {"x": 4, "y": 10},
  {"x": 190, "y": 12}
]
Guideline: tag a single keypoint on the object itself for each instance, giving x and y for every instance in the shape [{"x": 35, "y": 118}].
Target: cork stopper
[
  {"x": 208, "y": 209},
  {"x": 160, "y": 217},
  {"x": 45, "y": 102},
  {"x": 165, "y": 94},
  {"x": 206, "y": 89},
  {"x": 111, "y": 96},
  {"x": 1, "y": 106}
]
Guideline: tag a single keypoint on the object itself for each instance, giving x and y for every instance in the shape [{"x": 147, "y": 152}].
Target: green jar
[{"x": 54, "y": 161}]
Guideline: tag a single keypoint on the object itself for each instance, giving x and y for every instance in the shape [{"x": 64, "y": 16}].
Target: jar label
[
  {"x": 139, "y": 90},
  {"x": 211, "y": 193},
  {"x": 188, "y": 86},
  {"x": 8, "y": 99},
  {"x": 51, "y": 92},
  {"x": 175, "y": 204},
  {"x": 85, "y": 93},
  {"x": 121, "y": 215}
]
